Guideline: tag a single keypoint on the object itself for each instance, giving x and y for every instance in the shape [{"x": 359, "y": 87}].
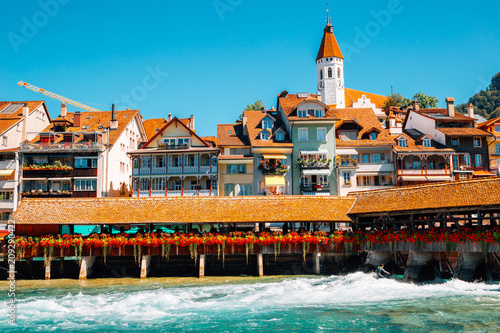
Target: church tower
[{"x": 330, "y": 68}]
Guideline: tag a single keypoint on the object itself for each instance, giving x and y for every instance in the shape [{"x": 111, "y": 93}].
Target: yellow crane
[{"x": 55, "y": 96}]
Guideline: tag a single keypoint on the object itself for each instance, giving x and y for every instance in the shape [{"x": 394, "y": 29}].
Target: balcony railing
[
  {"x": 174, "y": 193},
  {"x": 313, "y": 163},
  {"x": 6, "y": 204},
  {"x": 7, "y": 165},
  {"x": 172, "y": 147},
  {"x": 174, "y": 170},
  {"x": 402, "y": 172},
  {"x": 274, "y": 170},
  {"x": 28, "y": 146},
  {"x": 315, "y": 188},
  {"x": 38, "y": 194}
]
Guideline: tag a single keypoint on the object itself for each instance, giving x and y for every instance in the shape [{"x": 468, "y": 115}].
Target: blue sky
[{"x": 212, "y": 58}]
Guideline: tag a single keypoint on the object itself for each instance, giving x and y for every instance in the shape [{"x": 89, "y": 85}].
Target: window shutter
[{"x": 195, "y": 160}]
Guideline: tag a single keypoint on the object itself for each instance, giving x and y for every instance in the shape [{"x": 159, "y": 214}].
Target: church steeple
[
  {"x": 329, "y": 46},
  {"x": 330, "y": 69}
]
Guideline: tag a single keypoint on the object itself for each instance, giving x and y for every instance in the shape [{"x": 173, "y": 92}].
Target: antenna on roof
[{"x": 392, "y": 92}]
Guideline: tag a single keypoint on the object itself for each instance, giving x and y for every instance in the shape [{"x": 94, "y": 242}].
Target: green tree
[
  {"x": 426, "y": 102},
  {"x": 395, "y": 99},
  {"x": 257, "y": 106},
  {"x": 487, "y": 101}
]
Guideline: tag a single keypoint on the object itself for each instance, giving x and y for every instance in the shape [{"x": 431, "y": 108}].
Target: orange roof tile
[
  {"x": 329, "y": 46},
  {"x": 352, "y": 96},
  {"x": 366, "y": 118},
  {"x": 165, "y": 126},
  {"x": 488, "y": 122},
  {"x": 152, "y": 126},
  {"x": 231, "y": 135},
  {"x": 290, "y": 101},
  {"x": 92, "y": 121},
  {"x": 473, "y": 193},
  {"x": 7, "y": 120},
  {"x": 254, "y": 128},
  {"x": 211, "y": 139},
  {"x": 463, "y": 131},
  {"x": 184, "y": 210}
]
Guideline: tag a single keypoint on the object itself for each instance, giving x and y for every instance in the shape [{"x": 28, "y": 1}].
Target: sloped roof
[
  {"x": 329, "y": 46},
  {"x": 472, "y": 193},
  {"x": 488, "y": 122},
  {"x": 174, "y": 120},
  {"x": 7, "y": 120},
  {"x": 463, "y": 131},
  {"x": 184, "y": 210},
  {"x": 91, "y": 121},
  {"x": 352, "y": 96},
  {"x": 152, "y": 126},
  {"x": 290, "y": 101},
  {"x": 412, "y": 136},
  {"x": 231, "y": 135},
  {"x": 366, "y": 118},
  {"x": 254, "y": 128}
]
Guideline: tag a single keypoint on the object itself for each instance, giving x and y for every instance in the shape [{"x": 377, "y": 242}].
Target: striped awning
[
  {"x": 438, "y": 178},
  {"x": 312, "y": 152},
  {"x": 274, "y": 157},
  {"x": 275, "y": 180},
  {"x": 7, "y": 172},
  {"x": 316, "y": 172},
  {"x": 414, "y": 178},
  {"x": 348, "y": 151}
]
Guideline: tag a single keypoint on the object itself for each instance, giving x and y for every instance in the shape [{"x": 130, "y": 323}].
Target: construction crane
[{"x": 56, "y": 96}]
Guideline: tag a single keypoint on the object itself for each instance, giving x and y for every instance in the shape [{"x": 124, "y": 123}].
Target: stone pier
[
  {"x": 415, "y": 263},
  {"x": 86, "y": 267},
  {"x": 467, "y": 263}
]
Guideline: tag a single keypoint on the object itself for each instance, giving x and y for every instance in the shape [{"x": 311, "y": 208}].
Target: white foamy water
[{"x": 355, "y": 301}]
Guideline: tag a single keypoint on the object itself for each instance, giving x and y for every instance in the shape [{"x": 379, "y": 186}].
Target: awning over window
[
  {"x": 6, "y": 172},
  {"x": 342, "y": 151},
  {"x": 316, "y": 172},
  {"x": 482, "y": 173},
  {"x": 274, "y": 157},
  {"x": 312, "y": 152},
  {"x": 275, "y": 180},
  {"x": 439, "y": 178},
  {"x": 414, "y": 178}
]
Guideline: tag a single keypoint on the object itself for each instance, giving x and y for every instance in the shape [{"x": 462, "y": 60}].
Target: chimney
[
  {"x": 64, "y": 110},
  {"x": 169, "y": 117},
  {"x": 191, "y": 123},
  {"x": 416, "y": 104},
  {"x": 113, "y": 126},
  {"x": 244, "y": 124},
  {"x": 470, "y": 110},
  {"x": 450, "y": 105},
  {"x": 26, "y": 110},
  {"x": 77, "y": 117}
]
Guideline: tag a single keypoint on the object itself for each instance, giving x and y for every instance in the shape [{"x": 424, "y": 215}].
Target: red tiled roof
[
  {"x": 352, "y": 96},
  {"x": 254, "y": 128},
  {"x": 329, "y": 46},
  {"x": 290, "y": 101},
  {"x": 184, "y": 210},
  {"x": 463, "y": 131},
  {"x": 174, "y": 120},
  {"x": 152, "y": 126},
  {"x": 472, "y": 193},
  {"x": 231, "y": 135},
  {"x": 489, "y": 122},
  {"x": 91, "y": 121},
  {"x": 7, "y": 120}
]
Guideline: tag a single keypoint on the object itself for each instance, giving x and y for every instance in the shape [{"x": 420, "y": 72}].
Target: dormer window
[
  {"x": 264, "y": 136},
  {"x": 302, "y": 113},
  {"x": 373, "y": 136},
  {"x": 427, "y": 142},
  {"x": 267, "y": 124},
  {"x": 319, "y": 113},
  {"x": 402, "y": 143},
  {"x": 280, "y": 136}
]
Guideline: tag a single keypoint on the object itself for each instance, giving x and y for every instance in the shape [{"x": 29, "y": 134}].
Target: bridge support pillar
[
  {"x": 467, "y": 263},
  {"x": 202, "y": 266},
  {"x": 317, "y": 263},
  {"x": 377, "y": 258},
  {"x": 260, "y": 263},
  {"x": 86, "y": 267},
  {"x": 415, "y": 263},
  {"x": 47, "y": 271},
  {"x": 145, "y": 261}
]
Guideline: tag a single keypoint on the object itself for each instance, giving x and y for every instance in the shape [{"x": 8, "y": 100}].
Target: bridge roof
[
  {"x": 462, "y": 194},
  {"x": 184, "y": 210}
]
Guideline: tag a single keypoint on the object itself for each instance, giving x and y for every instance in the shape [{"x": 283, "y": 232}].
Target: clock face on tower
[
  {"x": 321, "y": 86},
  {"x": 340, "y": 85}
]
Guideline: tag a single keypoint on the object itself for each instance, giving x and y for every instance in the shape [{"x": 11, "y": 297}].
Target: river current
[{"x": 353, "y": 303}]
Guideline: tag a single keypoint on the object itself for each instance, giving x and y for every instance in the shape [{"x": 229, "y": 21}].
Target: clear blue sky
[{"x": 215, "y": 57}]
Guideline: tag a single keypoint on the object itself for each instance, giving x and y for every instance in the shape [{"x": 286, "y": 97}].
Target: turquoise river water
[{"x": 353, "y": 303}]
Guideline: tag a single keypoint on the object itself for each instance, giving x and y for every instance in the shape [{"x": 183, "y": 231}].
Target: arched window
[
  {"x": 321, "y": 74},
  {"x": 338, "y": 73},
  {"x": 330, "y": 72}
]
